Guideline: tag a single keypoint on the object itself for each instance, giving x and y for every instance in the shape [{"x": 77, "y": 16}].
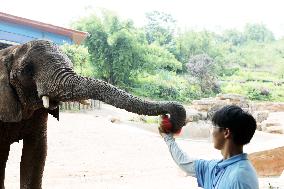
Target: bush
[
  {"x": 258, "y": 94},
  {"x": 166, "y": 86}
]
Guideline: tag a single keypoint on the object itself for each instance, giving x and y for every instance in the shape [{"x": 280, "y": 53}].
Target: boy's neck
[{"x": 230, "y": 149}]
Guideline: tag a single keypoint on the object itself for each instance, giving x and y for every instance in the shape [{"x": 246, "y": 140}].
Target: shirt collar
[{"x": 224, "y": 163}]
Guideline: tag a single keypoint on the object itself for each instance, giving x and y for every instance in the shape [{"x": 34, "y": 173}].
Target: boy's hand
[
  {"x": 165, "y": 126},
  {"x": 162, "y": 132}
]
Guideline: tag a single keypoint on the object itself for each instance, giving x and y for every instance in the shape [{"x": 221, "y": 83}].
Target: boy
[{"x": 232, "y": 129}]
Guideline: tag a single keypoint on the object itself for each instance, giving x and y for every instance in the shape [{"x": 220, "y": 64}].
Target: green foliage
[
  {"x": 244, "y": 75},
  {"x": 152, "y": 61},
  {"x": 233, "y": 37},
  {"x": 192, "y": 43},
  {"x": 160, "y": 28},
  {"x": 158, "y": 58},
  {"x": 260, "y": 57},
  {"x": 167, "y": 86},
  {"x": 258, "y": 33},
  {"x": 252, "y": 32},
  {"x": 115, "y": 47},
  {"x": 256, "y": 94},
  {"x": 230, "y": 71},
  {"x": 255, "y": 90},
  {"x": 80, "y": 58}
]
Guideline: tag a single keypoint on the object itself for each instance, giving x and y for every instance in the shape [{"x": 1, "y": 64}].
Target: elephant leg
[
  {"x": 33, "y": 156},
  {"x": 4, "y": 153},
  {"x": 32, "y": 163}
]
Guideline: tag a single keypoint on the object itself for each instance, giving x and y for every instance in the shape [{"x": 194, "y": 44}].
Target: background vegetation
[{"x": 160, "y": 61}]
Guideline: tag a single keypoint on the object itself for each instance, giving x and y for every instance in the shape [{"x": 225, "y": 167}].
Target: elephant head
[{"x": 38, "y": 75}]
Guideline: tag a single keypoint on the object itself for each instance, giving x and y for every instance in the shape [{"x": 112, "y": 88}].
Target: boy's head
[{"x": 241, "y": 124}]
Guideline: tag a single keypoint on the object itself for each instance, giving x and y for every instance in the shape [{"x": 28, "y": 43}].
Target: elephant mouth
[
  {"x": 49, "y": 103},
  {"x": 53, "y": 105}
]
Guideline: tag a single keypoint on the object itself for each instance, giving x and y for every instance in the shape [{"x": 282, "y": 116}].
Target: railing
[{"x": 93, "y": 104}]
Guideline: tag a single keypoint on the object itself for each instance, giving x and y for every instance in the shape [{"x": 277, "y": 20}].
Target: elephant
[{"x": 34, "y": 78}]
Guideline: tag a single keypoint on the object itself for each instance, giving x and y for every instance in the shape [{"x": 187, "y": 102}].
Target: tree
[
  {"x": 201, "y": 67},
  {"x": 234, "y": 37},
  {"x": 159, "y": 58},
  {"x": 115, "y": 47},
  {"x": 80, "y": 58},
  {"x": 258, "y": 33},
  {"x": 191, "y": 43},
  {"x": 160, "y": 29}
]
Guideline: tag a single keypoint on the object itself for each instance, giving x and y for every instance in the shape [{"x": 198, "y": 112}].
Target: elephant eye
[{"x": 28, "y": 70}]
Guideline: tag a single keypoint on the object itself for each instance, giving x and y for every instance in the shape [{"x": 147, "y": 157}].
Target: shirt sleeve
[
  {"x": 201, "y": 171},
  {"x": 181, "y": 159}
]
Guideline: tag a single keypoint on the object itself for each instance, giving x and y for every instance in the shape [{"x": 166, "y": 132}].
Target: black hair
[{"x": 241, "y": 124}]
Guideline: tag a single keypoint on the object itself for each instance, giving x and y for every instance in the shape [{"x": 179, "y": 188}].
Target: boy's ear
[{"x": 227, "y": 133}]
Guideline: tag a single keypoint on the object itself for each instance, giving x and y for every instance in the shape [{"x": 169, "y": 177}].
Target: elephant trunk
[{"x": 80, "y": 88}]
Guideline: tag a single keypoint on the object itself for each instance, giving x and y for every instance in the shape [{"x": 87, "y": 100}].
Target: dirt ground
[{"x": 87, "y": 150}]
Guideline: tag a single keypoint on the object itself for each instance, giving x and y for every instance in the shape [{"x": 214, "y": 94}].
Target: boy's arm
[{"x": 181, "y": 159}]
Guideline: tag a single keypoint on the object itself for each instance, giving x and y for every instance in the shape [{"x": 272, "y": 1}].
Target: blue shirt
[{"x": 232, "y": 173}]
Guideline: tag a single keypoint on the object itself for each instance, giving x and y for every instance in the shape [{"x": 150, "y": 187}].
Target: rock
[
  {"x": 260, "y": 116},
  {"x": 272, "y": 122},
  {"x": 115, "y": 119},
  {"x": 271, "y": 107},
  {"x": 142, "y": 118},
  {"x": 214, "y": 109},
  {"x": 268, "y": 162},
  {"x": 258, "y": 127},
  {"x": 211, "y": 105},
  {"x": 265, "y": 91},
  {"x": 271, "y": 126},
  {"x": 196, "y": 130},
  {"x": 207, "y": 103},
  {"x": 203, "y": 115},
  {"x": 232, "y": 97},
  {"x": 192, "y": 115},
  {"x": 217, "y": 107},
  {"x": 274, "y": 129},
  {"x": 263, "y": 127}
]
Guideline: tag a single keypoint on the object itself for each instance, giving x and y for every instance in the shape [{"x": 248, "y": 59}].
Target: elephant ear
[{"x": 10, "y": 106}]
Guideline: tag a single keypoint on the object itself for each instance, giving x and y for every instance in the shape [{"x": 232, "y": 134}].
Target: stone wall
[
  {"x": 206, "y": 104},
  {"x": 268, "y": 106},
  {"x": 205, "y": 108}
]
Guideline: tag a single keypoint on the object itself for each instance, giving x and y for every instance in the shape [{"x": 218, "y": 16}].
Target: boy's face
[{"x": 218, "y": 137}]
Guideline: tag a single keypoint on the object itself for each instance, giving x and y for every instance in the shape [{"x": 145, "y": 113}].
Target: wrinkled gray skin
[{"x": 39, "y": 68}]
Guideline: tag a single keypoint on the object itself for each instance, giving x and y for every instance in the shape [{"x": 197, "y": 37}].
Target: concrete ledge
[{"x": 268, "y": 162}]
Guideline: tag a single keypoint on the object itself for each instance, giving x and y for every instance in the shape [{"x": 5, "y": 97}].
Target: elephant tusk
[
  {"x": 45, "y": 100},
  {"x": 84, "y": 102}
]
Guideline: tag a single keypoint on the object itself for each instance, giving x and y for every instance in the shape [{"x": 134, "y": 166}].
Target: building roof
[{"x": 75, "y": 35}]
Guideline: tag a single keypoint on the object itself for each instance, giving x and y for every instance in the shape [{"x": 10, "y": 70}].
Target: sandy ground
[{"x": 86, "y": 150}]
